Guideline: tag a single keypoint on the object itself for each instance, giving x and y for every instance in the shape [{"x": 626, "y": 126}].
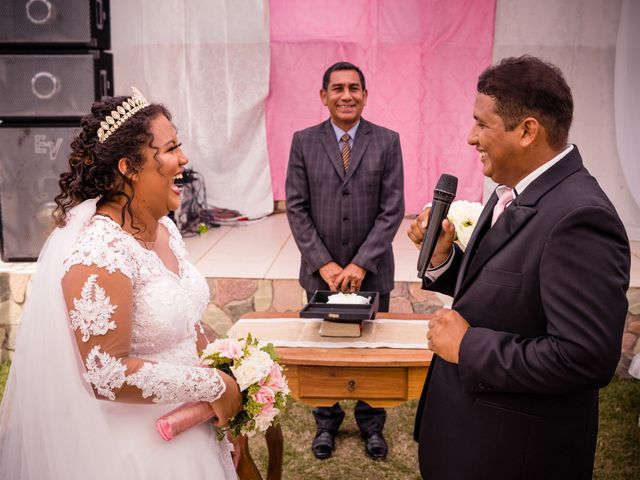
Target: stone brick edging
[
  {"x": 631, "y": 336},
  {"x": 233, "y": 297}
]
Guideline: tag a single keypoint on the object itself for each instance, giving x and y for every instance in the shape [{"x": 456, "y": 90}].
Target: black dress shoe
[
  {"x": 376, "y": 445},
  {"x": 323, "y": 444}
]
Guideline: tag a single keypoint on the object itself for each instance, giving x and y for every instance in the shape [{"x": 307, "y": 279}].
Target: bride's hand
[{"x": 229, "y": 404}]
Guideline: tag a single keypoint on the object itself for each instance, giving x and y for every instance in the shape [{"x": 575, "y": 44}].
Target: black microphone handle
[{"x": 439, "y": 210}]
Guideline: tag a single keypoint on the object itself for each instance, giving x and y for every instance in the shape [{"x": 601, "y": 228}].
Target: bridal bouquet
[
  {"x": 464, "y": 216},
  {"x": 264, "y": 389}
]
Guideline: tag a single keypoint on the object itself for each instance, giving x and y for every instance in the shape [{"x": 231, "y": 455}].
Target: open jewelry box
[{"x": 340, "y": 312}]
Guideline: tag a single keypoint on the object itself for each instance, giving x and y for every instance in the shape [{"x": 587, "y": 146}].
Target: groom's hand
[
  {"x": 446, "y": 329},
  {"x": 229, "y": 404},
  {"x": 442, "y": 251}
]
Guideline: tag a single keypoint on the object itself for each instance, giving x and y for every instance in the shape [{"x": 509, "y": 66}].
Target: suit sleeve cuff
[{"x": 432, "y": 274}]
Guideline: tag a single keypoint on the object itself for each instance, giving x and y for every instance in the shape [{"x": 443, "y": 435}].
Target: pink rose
[
  {"x": 265, "y": 396},
  {"x": 226, "y": 347},
  {"x": 274, "y": 380}
]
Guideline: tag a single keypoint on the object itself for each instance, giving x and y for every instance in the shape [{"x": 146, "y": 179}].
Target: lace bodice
[{"x": 158, "y": 318}]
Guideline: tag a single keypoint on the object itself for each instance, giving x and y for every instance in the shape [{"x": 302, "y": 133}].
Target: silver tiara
[{"x": 121, "y": 114}]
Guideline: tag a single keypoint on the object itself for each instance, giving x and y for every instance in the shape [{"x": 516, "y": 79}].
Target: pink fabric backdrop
[{"x": 421, "y": 60}]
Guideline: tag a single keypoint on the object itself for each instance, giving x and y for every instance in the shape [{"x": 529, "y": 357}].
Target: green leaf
[{"x": 271, "y": 350}]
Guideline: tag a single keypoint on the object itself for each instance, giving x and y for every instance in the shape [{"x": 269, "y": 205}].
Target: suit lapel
[
  {"x": 512, "y": 220},
  {"x": 360, "y": 143},
  {"x": 484, "y": 223},
  {"x": 331, "y": 147},
  {"x": 509, "y": 223}
]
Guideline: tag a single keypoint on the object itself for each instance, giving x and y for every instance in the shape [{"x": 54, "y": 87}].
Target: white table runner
[{"x": 305, "y": 332}]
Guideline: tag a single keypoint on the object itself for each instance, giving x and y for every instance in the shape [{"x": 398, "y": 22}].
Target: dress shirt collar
[
  {"x": 526, "y": 181},
  {"x": 339, "y": 132}
]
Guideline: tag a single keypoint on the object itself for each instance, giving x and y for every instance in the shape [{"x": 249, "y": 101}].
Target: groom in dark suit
[
  {"x": 345, "y": 203},
  {"x": 539, "y": 299}
]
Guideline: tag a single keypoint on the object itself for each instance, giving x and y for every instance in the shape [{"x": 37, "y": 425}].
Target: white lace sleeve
[
  {"x": 100, "y": 306},
  {"x": 104, "y": 372},
  {"x": 104, "y": 245},
  {"x": 174, "y": 384},
  {"x": 93, "y": 310}
]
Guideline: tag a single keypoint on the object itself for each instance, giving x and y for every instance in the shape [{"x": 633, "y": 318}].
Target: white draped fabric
[
  {"x": 588, "y": 39},
  {"x": 208, "y": 62},
  {"x": 627, "y": 94}
]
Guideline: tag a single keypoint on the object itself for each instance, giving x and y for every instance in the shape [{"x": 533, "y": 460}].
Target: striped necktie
[{"x": 345, "y": 153}]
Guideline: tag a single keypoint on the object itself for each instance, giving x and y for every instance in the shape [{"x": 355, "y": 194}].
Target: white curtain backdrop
[
  {"x": 584, "y": 39},
  {"x": 627, "y": 94},
  {"x": 208, "y": 62}
]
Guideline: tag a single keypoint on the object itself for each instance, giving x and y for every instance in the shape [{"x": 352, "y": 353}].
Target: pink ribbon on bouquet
[{"x": 183, "y": 418}]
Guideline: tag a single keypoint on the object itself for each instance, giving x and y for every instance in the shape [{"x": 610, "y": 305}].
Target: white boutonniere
[{"x": 464, "y": 216}]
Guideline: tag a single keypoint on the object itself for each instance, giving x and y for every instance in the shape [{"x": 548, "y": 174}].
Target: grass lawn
[
  {"x": 617, "y": 455},
  {"x": 4, "y": 372}
]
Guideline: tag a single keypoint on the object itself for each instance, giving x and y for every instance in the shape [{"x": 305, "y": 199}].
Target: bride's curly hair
[{"x": 93, "y": 166}]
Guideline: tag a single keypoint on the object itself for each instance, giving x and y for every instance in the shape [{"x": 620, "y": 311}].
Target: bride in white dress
[{"x": 109, "y": 336}]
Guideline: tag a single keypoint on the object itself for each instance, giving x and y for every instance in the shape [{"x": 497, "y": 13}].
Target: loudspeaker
[
  {"x": 79, "y": 23},
  {"x": 31, "y": 161},
  {"x": 54, "y": 84}
]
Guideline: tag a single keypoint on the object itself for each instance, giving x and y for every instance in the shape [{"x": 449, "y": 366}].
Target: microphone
[{"x": 443, "y": 195}]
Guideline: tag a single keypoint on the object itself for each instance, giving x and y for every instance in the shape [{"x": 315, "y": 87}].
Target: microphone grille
[{"x": 447, "y": 184}]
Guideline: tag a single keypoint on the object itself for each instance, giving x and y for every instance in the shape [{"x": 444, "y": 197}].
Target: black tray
[{"x": 340, "y": 312}]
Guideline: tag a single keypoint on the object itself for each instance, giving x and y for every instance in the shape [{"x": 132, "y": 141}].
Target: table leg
[
  {"x": 246, "y": 467},
  {"x": 275, "y": 447}
]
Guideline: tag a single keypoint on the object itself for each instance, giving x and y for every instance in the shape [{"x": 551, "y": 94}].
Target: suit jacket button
[
  {"x": 345, "y": 193},
  {"x": 483, "y": 386},
  {"x": 344, "y": 219}
]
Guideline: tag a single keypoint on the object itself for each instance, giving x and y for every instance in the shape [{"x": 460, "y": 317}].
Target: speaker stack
[{"x": 53, "y": 66}]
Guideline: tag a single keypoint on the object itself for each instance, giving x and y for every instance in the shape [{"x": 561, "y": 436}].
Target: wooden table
[{"x": 383, "y": 377}]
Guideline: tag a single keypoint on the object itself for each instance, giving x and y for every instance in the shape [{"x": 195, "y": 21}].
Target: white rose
[
  {"x": 252, "y": 369},
  {"x": 464, "y": 216},
  {"x": 265, "y": 419},
  {"x": 464, "y": 235}
]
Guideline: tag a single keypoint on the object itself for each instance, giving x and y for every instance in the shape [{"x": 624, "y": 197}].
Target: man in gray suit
[
  {"x": 539, "y": 301},
  {"x": 345, "y": 202}
]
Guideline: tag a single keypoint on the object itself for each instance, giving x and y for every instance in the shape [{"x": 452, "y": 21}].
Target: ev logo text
[{"x": 42, "y": 145}]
